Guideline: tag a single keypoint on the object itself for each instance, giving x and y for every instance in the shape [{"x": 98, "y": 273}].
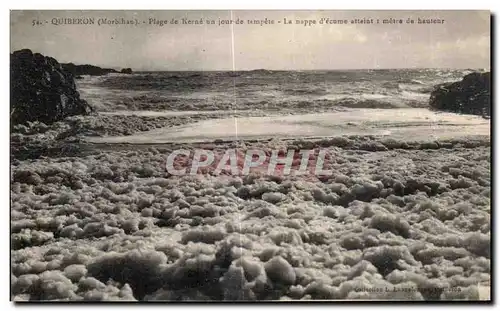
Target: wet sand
[{"x": 406, "y": 124}]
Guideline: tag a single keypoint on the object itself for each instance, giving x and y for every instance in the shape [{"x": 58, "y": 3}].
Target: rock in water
[
  {"x": 82, "y": 70},
  {"x": 470, "y": 96},
  {"x": 126, "y": 70},
  {"x": 41, "y": 90}
]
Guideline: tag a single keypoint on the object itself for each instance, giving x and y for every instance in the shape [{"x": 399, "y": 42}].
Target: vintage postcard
[{"x": 250, "y": 155}]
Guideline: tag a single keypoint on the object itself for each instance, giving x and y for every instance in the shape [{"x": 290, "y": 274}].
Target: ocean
[
  {"x": 260, "y": 104},
  {"x": 265, "y": 90}
]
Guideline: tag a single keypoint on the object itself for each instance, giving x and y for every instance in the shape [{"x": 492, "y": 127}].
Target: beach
[{"x": 406, "y": 207}]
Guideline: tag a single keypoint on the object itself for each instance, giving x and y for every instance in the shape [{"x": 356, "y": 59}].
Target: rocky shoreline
[
  {"x": 44, "y": 90},
  {"x": 48, "y": 114},
  {"x": 41, "y": 90},
  {"x": 81, "y": 70},
  {"x": 472, "y": 95}
]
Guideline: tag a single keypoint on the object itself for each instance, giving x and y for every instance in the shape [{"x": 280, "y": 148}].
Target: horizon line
[
  {"x": 337, "y": 69},
  {"x": 118, "y": 68}
]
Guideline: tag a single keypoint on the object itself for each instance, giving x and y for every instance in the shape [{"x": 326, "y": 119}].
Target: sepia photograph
[{"x": 250, "y": 155}]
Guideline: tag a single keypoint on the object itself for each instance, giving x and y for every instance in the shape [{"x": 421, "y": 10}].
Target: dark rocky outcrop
[
  {"x": 80, "y": 70},
  {"x": 126, "y": 70},
  {"x": 469, "y": 96},
  {"x": 41, "y": 90}
]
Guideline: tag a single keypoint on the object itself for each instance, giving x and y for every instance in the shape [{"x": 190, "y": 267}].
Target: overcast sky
[{"x": 463, "y": 41}]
